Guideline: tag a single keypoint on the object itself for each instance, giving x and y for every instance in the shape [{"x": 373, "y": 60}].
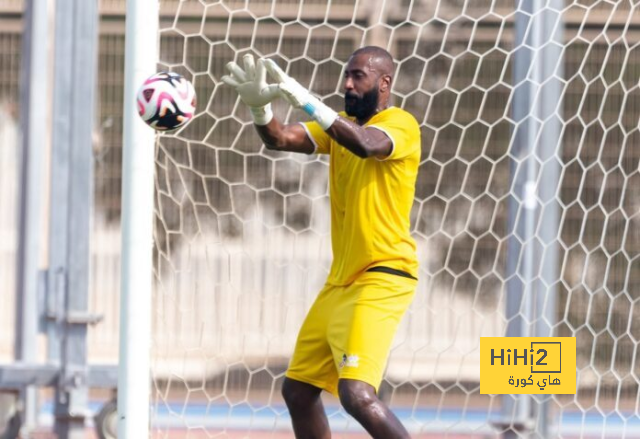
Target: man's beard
[{"x": 362, "y": 108}]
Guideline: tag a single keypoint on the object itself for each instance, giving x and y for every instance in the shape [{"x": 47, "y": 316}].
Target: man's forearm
[
  {"x": 279, "y": 137},
  {"x": 271, "y": 134},
  {"x": 361, "y": 141}
]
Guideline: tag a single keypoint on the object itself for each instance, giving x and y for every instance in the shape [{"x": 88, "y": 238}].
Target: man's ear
[{"x": 385, "y": 83}]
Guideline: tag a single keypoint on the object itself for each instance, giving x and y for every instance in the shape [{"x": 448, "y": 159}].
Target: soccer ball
[{"x": 166, "y": 101}]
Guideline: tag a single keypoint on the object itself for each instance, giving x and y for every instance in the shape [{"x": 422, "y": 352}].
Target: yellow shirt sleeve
[
  {"x": 320, "y": 139},
  {"x": 403, "y": 130}
]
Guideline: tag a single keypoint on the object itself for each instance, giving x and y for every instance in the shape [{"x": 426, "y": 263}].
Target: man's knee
[
  {"x": 356, "y": 396},
  {"x": 299, "y": 395}
]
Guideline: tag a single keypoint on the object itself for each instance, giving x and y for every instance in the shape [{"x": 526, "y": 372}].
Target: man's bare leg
[
  {"x": 359, "y": 399},
  {"x": 305, "y": 407}
]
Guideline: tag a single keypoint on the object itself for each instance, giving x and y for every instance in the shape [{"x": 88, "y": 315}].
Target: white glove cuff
[
  {"x": 261, "y": 115},
  {"x": 319, "y": 112}
]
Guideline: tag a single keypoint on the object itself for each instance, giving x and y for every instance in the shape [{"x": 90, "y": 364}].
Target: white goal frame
[{"x": 141, "y": 58}]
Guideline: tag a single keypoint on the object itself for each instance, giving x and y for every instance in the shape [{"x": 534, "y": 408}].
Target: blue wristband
[
  {"x": 309, "y": 108},
  {"x": 319, "y": 112}
]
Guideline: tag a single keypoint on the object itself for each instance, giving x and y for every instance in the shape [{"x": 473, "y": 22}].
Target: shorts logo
[{"x": 349, "y": 361}]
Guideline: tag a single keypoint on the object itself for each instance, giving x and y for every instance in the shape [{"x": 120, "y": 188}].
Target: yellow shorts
[{"x": 349, "y": 330}]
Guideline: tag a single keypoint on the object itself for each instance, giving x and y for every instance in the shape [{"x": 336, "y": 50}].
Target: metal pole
[
  {"x": 75, "y": 71},
  {"x": 549, "y": 152},
  {"x": 377, "y": 34},
  {"x": 516, "y": 409},
  {"x": 533, "y": 212},
  {"x": 34, "y": 114},
  {"x": 141, "y": 56}
]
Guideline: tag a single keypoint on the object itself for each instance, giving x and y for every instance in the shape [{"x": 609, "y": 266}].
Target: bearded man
[{"x": 374, "y": 149}]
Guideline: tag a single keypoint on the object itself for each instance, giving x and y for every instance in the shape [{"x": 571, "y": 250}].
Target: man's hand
[
  {"x": 251, "y": 85},
  {"x": 291, "y": 90},
  {"x": 300, "y": 97}
]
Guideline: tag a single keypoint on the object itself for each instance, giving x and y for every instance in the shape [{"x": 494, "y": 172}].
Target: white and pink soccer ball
[{"x": 166, "y": 101}]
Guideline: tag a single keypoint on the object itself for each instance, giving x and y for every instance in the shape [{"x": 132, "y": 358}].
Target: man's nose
[{"x": 348, "y": 84}]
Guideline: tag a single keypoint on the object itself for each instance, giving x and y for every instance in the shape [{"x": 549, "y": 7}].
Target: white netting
[{"x": 242, "y": 233}]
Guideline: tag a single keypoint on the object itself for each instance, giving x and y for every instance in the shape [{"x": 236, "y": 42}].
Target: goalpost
[
  {"x": 511, "y": 204},
  {"x": 141, "y": 57}
]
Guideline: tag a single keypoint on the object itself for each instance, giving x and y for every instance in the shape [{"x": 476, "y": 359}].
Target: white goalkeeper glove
[
  {"x": 300, "y": 97},
  {"x": 251, "y": 85}
]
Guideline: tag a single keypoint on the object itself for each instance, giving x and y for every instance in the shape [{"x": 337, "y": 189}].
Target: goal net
[{"x": 242, "y": 234}]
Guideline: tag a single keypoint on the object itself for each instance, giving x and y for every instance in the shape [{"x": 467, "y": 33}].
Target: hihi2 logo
[{"x": 528, "y": 365}]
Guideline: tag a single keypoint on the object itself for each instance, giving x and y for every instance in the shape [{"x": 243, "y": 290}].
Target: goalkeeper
[{"x": 374, "y": 150}]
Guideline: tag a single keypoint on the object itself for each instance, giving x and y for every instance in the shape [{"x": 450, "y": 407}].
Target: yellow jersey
[{"x": 371, "y": 199}]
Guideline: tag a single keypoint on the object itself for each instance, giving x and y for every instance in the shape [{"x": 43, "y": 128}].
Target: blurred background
[{"x": 242, "y": 233}]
